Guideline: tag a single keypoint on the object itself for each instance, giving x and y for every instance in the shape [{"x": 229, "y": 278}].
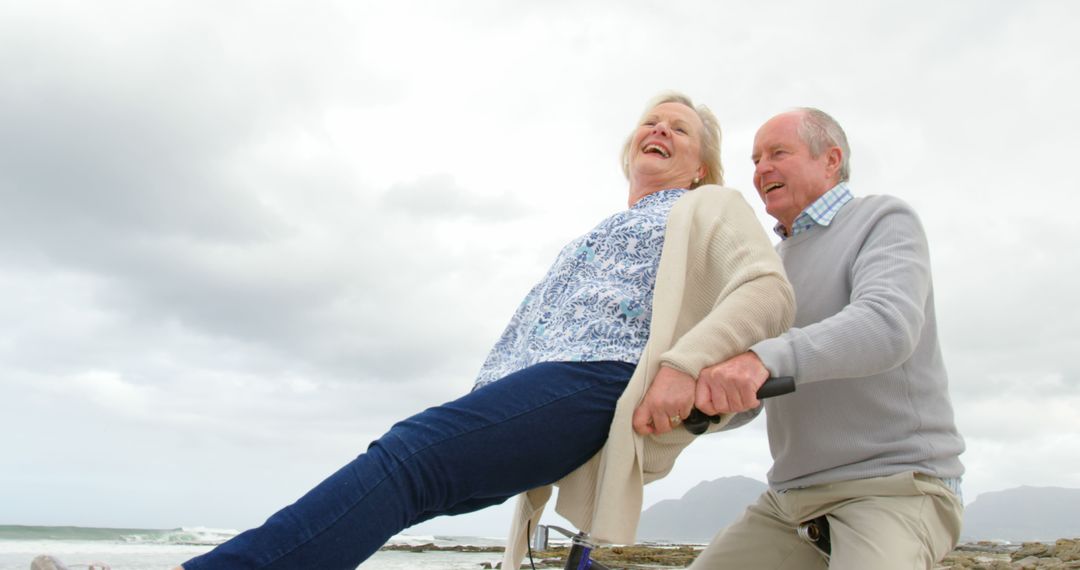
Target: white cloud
[{"x": 253, "y": 235}]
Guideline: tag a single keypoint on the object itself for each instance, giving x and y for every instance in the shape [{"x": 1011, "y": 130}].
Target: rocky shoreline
[{"x": 1062, "y": 554}]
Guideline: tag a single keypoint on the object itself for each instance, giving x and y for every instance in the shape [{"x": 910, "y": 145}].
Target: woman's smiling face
[{"x": 665, "y": 149}]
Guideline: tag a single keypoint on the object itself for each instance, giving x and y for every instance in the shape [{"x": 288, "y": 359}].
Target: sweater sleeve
[
  {"x": 880, "y": 327},
  {"x": 736, "y": 291}
]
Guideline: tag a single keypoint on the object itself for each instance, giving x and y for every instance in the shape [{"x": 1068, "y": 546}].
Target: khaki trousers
[{"x": 906, "y": 521}]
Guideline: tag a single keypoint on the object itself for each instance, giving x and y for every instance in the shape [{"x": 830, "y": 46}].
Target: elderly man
[{"x": 867, "y": 445}]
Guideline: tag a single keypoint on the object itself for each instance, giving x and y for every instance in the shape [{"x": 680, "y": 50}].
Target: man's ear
[{"x": 834, "y": 157}]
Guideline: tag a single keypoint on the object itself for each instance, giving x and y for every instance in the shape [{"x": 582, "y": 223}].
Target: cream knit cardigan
[{"x": 720, "y": 288}]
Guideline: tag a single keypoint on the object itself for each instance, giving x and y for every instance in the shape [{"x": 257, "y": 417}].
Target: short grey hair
[
  {"x": 710, "y": 138},
  {"x": 821, "y": 132}
]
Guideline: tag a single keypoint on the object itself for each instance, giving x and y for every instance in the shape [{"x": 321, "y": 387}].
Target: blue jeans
[{"x": 528, "y": 429}]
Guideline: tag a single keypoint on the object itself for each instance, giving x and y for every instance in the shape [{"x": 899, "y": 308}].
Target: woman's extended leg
[{"x": 528, "y": 429}]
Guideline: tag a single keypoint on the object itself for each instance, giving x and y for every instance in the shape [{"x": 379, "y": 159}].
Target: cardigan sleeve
[{"x": 736, "y": 291}]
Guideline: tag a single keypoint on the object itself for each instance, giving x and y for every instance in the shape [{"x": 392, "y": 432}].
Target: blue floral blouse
[{"x": 595, "y": 303}]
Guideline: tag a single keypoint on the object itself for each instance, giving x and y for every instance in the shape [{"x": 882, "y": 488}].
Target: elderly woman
[{"x": 584, "y": 387}]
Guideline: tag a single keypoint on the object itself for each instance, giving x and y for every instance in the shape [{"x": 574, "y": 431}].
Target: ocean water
[{"x": 150, "y": 549}]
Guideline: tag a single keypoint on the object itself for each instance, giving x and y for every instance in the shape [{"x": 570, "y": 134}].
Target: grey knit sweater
[{"x": 872, "y": 397}]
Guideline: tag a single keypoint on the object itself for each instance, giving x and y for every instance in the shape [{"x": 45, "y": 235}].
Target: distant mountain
[
  {"x": 1016, "y": 515},
  {"x": 701, "y": 512},
  {"x": 1024, "y": 513}
]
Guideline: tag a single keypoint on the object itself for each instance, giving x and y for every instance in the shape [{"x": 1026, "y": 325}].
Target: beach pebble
[{"x": 46, "y": 562}]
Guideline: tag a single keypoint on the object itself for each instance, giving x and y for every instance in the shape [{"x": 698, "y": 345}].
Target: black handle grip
[
  {"x": 776, "y": 387},
  {"x": 698, "y": 422}
]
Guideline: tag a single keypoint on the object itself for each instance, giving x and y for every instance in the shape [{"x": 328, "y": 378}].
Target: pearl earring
[{"x": 696, "y": 180}]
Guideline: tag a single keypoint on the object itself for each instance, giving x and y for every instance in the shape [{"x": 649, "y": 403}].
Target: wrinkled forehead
[{"x": 673, "y": 110}]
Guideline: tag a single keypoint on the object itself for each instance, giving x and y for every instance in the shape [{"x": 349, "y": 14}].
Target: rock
[
  {"x": 46, "y": 562},
  {"x": 1035, "y": 549},
  {"x": 1067, "y": 549}
]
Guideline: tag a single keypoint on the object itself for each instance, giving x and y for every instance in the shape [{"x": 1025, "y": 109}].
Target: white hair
[{"x": 821, "y": 132}]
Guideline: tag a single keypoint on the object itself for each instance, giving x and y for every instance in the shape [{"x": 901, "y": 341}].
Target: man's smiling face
[{"x": 786, "y": 176}]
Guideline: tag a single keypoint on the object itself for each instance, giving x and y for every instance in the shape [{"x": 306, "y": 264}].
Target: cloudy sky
[{"x": 239, "y": 239}]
